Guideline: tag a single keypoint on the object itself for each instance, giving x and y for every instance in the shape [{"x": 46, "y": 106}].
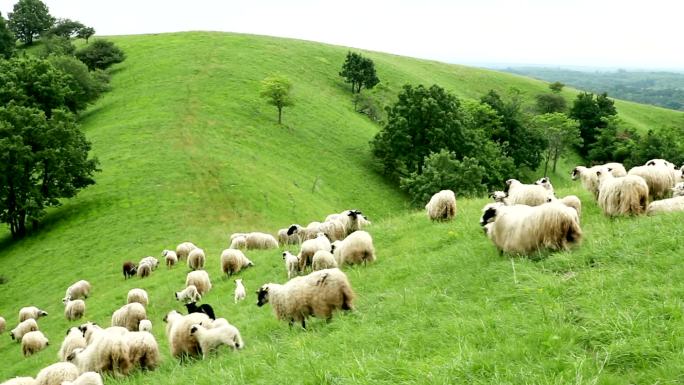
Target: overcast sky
[{"x": 594, "y": 33}]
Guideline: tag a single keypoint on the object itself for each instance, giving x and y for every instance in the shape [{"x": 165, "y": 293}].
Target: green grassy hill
[{"x": 190, "y": 152}]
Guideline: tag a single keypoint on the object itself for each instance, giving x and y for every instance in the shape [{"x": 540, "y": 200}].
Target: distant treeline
[{"x": 664, "y": 89}]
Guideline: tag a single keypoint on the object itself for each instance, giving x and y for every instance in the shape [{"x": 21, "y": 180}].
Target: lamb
[
  {"x": 143, "y": 349},
  {"x": 137, "y": 295},
  {"x": 203, "y": 308},
  {"x": 627, "y": 195},
  {"x": 659, "y": 179},
  {"x": 196, "y": 259},
  {"x": 240, "y": 292},
  {"x": 170, "y": 257},
  {"x": 666, "y": 205},
  {"x": 79, "y": 290},
  {"x": 129, "y": 269},
  {"x": 183, "y": 249},
  {"x": 291, "y": 264},
  {"x": 525, "y": 194},
  {"x": 546, "y": 183},
  {"x": 74, "y": 310},
  {"x": 677, "y": 191},
  {"x": 73, "y": 340},
  {"x": 356, "y": 248},
  {"x": 87, "y": 378},
  {"x": 521, "y": 229},
  {"x": 144, "y": 270},
  {"x": 210, "y": 339},
  {"x": 260, "y": 241},
  {"x": 22, "y": 328},
  {"x": 33, "y": 342},
  {"x": 129, "y": 316},
  {"x": 317, "y": 294},
  {"x": 442, "y": 206},
  {"x": 152, "y": 261},
  {"x": 570, "y": 201},
  {"x": 323, "y": 259},
  {"x": 233, "y": 260},
  {"x": 289, "y": 236},
  {"x": 31, "y": 312},
  {"x": 107, "y": 350},
  {"x": 310, "y": 247},
  {"x": 190, "y": 293},
  {"x": 239, "y": 242},
  {"x": 200, "y": 279},
  {"x": 145, "y": 326},
  {"x": 20, "y": 381},
  {"x": 181, "y": 341},
  {"x": 3, "y": 325},
  {"x": 57, "y": 373}
]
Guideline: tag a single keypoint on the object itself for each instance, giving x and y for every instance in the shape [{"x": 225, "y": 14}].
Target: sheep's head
[
  {"x": 576, "y": 172},
  {"x": 489, "y": 214},
  {"x": 72, "y": 356},
  {"x": 292, "y": 229},
  {"x": 262, "y": 295},
  {"x": 334, "y": 245},
  {"x": 194, "y": 328},
  {"x": 42, "y": 313}
]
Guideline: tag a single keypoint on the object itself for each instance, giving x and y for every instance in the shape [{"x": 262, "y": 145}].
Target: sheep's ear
[
  {"x": 598, "y": 173},
  {"x": 71, "y": 356},
  {"x": 610, "y": 169}
]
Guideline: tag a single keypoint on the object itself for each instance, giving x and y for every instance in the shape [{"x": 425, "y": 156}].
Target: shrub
[{"x": 101, "y": 54}]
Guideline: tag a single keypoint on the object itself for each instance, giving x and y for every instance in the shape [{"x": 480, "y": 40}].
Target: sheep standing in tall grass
[
  {"x": 199, "y": 278},
  {"x": 137, "y": 295},
  {"x": 74, "y": 310},
  {"x": 627, "y": 195},
  {"x": 73, "y": 340},
  {"x": 79, "y": 290},
  {"x": 659, "y": 180},
  {"x": 33, "y": 342},
  {"x": 210, "y": 339},
  {"x": 525, "y": 194},
  {"x": 196, "y": 259},
  {"x": 181, "y": 341},
  {"x": 234, "y": 260},
  {"x": 57, "y": 373},
  {"x": 240, "y": 292},
  {"x": 31, "y": 312},
  {"x": 310, "y": 247},
  {"x": 442, "y": 206},
  {"x": 183, "y": 249},
  {"x": 170, "y": 257},
  {"x": 355, "y": 249},
  {"x": 22, "y": 328},
  {"x": 129, "y": 316}
]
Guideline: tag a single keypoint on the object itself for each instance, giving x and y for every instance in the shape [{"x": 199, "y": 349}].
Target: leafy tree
[
  {"x": 590, "y": 112},
  {"x": 556, "y": 87},
  {"x": 100, "y": 55},
  {"x": 277, "y": 89},
  {"x": 7, "y": 40},
  {"x": 66, "y": 28},
  {"x": 85, "y": 33},
  {"x": 57, "y": 45},
  {"x": 359, "y": 71},
  {"x": 33, "y": 82},
  {"x": 615, "y": 143},
  {"x": 550, "y": 103},
  {"x": 84, "y": 86},
  {"x": 561, "y": 134},
  {"x": 29, "y": 20},
  {"x": 41, "y": 161}
]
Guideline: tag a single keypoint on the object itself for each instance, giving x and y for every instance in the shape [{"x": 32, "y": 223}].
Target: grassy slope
[{"x": 189, "y": 152}]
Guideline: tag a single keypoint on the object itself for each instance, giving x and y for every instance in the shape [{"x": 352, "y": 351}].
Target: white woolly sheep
[
  {"x": 143, "y": 349},
  {"x": 189, "y": 294},
  {"x": 239, "y": 242},
  {"x": 310, "y": 247},
  {"x": 666, "y": 205},
  {"x": 57, "y": 373},
  {"x": 233, "y": 260},
  {"x": 139, "y": 296},
  {"x": 317, "y": 294},
  {"x": 355, "y": 220},
  {"x": 129, "y": 316},
  {"x": 570, "y": 201},
  {"x": 107, "y": 351},
  {"x": 183, "y": 249},
  {"x": 33, "y": 342},
  {"x": 258, "y": 240},
  {"x": 677, "y": 191},
  {"x": 323, "y": 259},
  {"x": 181, "y": 341},
  {"x": 196, "y": 259},
  {"x": 617, "y": 169},
  {"x": 79, "y": 290},
  {"x": 145, "y": 326},
  {"x": 152, "y": 261},
  {"x": 356, "y": 248},
  {"x": 525, "y": 194},
  {"x": 87, "y": 378},
  {"x": 210, "y": 339},
  {"x": 240, "y": 292},
  {"x": 289, "y": 235},
  {"x": 20, "y": 381},
  {"x": 73, "y": 340},
  {"x": 3, "y": 325},
  {"x": 200, "y": 279},
  {"x": 170, "y": 257},
  {"x": 659, "y": 179},
  {"x": 335, "y": 228},
  {"x": 546, "y": 183},
  {"x": 144, "y": 270},
  {"x": 74, "y": 310},
  {"x": 291, "y": 264},
  {"x": 627, "y": 195},
  {"x": 588, "y": 178},
  {"x": 442, "y": 206},
  {"x": 522, "y": 229},
  {"x": 660, "y": 163},
  {"x": 22, "y": 328},
  {"x": 31, "y": 312}
]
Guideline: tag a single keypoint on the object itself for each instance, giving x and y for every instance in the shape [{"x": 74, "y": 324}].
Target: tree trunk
[
  {"x": 546, "y": 163},
  {"x": 555, "y": 159},
  {"x": 280, "y": 115}
]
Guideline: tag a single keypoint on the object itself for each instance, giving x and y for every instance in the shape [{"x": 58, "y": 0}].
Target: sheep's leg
[{"x": 303, "y": 323}]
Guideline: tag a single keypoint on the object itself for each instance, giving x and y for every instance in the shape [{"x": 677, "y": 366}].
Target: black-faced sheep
[
  {"x": 317, "y": 294},
  {"x": 74, "y": 310},
  {"x": 310, "y": 247},
  {"x": 170, "y": 257},
  {"x": 498, "y": 196},
  {"x": 659, "y": 180},
  {"x": 240, "y": 292},
  {"x": 79, "y": 290},
  {"x": 546, "y": 183},
  {"x": 203, "y": 308},
  {"x": 442, "y": 206},
  {"x": 181, "y": 341},
  {"x": 356, "y": 248},
  {"x": 87, "y": 378},
  {"x": 143, "y": 349},
  {"x": 289, "y": 235},
  {"x": 22, "y": 328},
  {"x": 627, "y": 195},
  {"x": 190, "y": 294},
  {"x": 291, "y": 264},
  {"x": 129, "y": 316},
  {"x": 33, "y": 342},
  {"x": 234, "y": 260},
  {"x": 137, "y": 295},
  {"x": 129, "y": 269},
  {"x": 200, "y": 279},
  {"x": 57, "y": 373},
  {"x": 183, "y": 249},
  {"x": 107, "y": 351},
  {"x": 211, "y": 339},
  {"x": 73, "y": 340},
  {"x": 31, "y": 312},
  {"x": 525, "y": 194},
  {"x": 196, "y": 259},
  {"x": 323, "y": 259}
]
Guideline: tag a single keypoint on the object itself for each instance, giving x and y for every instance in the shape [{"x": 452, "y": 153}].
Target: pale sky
[{"x": 594, "y": 33}]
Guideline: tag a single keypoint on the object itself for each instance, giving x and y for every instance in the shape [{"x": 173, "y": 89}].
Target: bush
[
  {"x": 101, "y": 54},
  {"x": 57, "y": 45},
  {"x": 84, "y": 87}
]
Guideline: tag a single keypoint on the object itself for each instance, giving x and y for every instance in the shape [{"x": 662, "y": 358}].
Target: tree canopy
[
  {"x": 100, "y": 55},
  {"x": 561, "y": 133},
  {"x": 276, "y": 90},
  {"x": 29, "y": 19},
  {"x": 66, "y": 28},
  {"x": 591, "y": 112},
  {"x": 7, "y": 40},
  {"x": 359, "y": 71}
]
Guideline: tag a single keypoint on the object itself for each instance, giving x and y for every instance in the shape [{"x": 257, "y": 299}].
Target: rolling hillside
[{"x": 190, "y": 152}]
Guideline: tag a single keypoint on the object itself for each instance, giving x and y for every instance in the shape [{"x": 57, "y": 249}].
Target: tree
[
  {"x": 30, "y": 19},
  {"x": 57, "y": 45},
  {"x": 83, "y": 85},
  {"x": 550, "y": 103},
  {"x": 590, "y": 113},
  {"x": 359, "y": 71},
  {"x": 66, "y": 28},
  {"x": 561, "y": 134},
  {"x": 277, "y": 89},
  {"x": 85, "y": 33},
  {"x": 33, "y": 82},
  {"x": 556, "y": 87},
  {"x": 100, "y": 55},
  {"x": 41, "y": 161},
  {"x": 7, "y": 40},
  {"x": 615, "y": 143}
]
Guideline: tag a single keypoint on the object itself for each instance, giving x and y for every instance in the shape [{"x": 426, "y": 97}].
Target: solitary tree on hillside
[
  {"x": 276, "y": 90},
  {"x": 30, "y": 19},
  {"x": 7, "y": 40},
  {"x": 556, "y": 87},
  {"x": 359, "y": 71},
  {"x": 85, "y": 33},
  {"x": 561, "y": 134}
]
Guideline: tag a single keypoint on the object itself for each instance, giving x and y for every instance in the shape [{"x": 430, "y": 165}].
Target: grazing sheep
[
  {"x": 627, "y": 195},
  {"x": 107, "y": 351},
  {"x": 522, "y": 229},
  {"x": 152, "y": 261},
  {"x": 129, "y": 316},
  {"x": 666, "y": 205},
  {"x": 33, "y": 342},
  {"x": 3, "y": 325},
  {"x": 73, "y": 340},
  {"x": 677, "y": 191},
  {"x": 87, "y": 378},
  {"x": 355, "y": 221},
  {"x": 31, "y": 312},
  {"x": 79, "y": 290},
  {"x": 22, "y": 328},
  {"x": 617, "y": 169},
  {"x": 525, "y": 194},
  {"x": 92, "y": 332},
  {"x": 310, "y": 231},
  {"x": 291, "y": 264},
  {"x": 289, "y": 235},
  {"x": 170, "y": 257},
  {"x": 210, "y": 339},
  {"x": 74, "y": 310},
  {"x": 588, "y": 178},
  {"x": 546, "y": 183},
  {"x": 356, "y": 248},
  {"x": 498, "y": 196},
  {"x": 196, "y": 259},
  {"x": 181, "y": 341},
  {"x": 334, "y": 229},
  {"x": 129, "y": 269},
  {"x": 310, "y": 247},
  {"x": 240, "y": 292},
  {"x": 257, "y": 240},
  {"x": 296, "y": 231},
  {"x": 137, "y": 295},
  {"x": 239, "y": 242},
  {"x": 570, "y": 201},
  {"x": 145, "y": 326},
  {"x": 144, "y": 270},
  {"x": 143, "y": 349},
  {"x": 234, "y": 260},
  {"x": 203, "y": 308},
  {"x": 190, "y": 293},
  {"x": 57, "y": 373},
  {"x": 200, "y": 279},
  {"x": 183, "y": 249},
  {"x": 317, "y": 294},
  {"x": 323, "y": 259},
  {"x": 442, "y": 206},
  {"x": 659, "y": 179},
  {"x": 660, "y": 163},
  {"x": 20, "y": 381}
]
